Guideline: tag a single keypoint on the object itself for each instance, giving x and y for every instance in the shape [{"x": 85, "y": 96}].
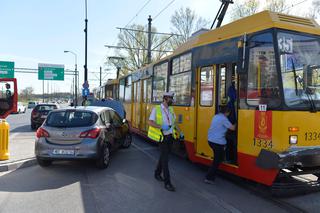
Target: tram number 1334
[{"x": 263, "y": 143}]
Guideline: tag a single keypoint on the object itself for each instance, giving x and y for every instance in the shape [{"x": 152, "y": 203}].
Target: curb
[{"x": 19, "y": 164}]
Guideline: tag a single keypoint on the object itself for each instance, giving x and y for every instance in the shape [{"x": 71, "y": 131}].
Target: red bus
[{"x": 8, "y": 96}]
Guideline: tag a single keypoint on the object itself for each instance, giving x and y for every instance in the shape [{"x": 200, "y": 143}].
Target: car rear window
[
  {"x": 71, "y": 119},
  {"x": 45, "y": 107},
  {"x": 31, "y": 103}
]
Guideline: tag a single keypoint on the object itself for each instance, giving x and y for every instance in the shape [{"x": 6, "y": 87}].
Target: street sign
[
  {"x": 6, "y": 69},
  {"x": 51, "y": 72},
  {"x": 85, "y": 85},
  {"x": 85, "y": 92}
]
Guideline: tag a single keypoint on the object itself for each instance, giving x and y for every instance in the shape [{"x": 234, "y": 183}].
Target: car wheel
[
  {"x": 25, "y": 110},
  {"x": 19, "y": 111},
  {"x": 44, "y": 163},
  {"x": 33, "y": 126},
  {"x": 127, "y": 141},
  {"x": 104, "y": 159}
]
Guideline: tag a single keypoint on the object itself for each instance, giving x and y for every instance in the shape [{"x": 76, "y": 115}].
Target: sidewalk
[{"x": 21, "y": 150}]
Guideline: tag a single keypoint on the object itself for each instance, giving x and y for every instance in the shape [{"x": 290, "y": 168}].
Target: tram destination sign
[
  {"x": 6, "y": 69},
  {"x": 51, "y": 72}
]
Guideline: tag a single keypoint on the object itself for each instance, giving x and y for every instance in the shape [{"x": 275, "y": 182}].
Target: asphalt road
[{"x": 127, "y": 185}]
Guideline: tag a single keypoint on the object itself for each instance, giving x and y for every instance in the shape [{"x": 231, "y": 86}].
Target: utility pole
[
  {"x": 100, "y": 76},
  {"x": 149, "y": 39},
  {"x": 86, "y": 45},
  {"x": 143, "y": 47}
]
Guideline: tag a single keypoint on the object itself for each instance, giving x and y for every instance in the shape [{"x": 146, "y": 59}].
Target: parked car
[
  {"x": 21, "y": 108},
  {"x": 81, "y": 133},
  {"x": 40, "y": 113},
  {"x": 32, "y": 104}
]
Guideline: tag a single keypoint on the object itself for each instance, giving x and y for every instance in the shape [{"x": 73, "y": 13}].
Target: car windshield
[
  {"x": 46, "y": 107},
  {"x": 300, "y": 70},
  {"x": 71, "y": 119}
]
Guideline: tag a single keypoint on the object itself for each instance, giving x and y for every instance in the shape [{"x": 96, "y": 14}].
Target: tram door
[
  {"x": 136, "y": 104},
  {"x": 205, "y": 107},
  {"x": 146, "y": 103}
]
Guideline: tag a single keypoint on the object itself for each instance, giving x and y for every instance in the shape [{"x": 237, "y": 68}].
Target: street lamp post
[
  {"x": 86, "y": 43},
  {"x": 76, "y": 76}
]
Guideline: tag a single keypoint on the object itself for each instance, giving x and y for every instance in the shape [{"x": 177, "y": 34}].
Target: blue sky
[{"x": 38, "y": 31}]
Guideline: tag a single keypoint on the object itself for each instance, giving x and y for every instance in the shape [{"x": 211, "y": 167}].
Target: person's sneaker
[
  {"x": 170, "y": 187},
  {"x": 158, "y": 177},
  {"x": 208, "y": 181}
]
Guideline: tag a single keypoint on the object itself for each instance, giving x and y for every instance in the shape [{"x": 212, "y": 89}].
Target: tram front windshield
[{"x": 300, "y": 70}]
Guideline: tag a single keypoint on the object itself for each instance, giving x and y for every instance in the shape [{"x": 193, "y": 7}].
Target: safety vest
[{"x": 155, "y": 133}]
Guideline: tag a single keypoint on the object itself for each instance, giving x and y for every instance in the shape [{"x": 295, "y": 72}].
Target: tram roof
[{"x": 254, "y": 23}]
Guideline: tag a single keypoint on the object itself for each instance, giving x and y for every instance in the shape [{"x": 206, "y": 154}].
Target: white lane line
[{"x": 144, "y": 152}]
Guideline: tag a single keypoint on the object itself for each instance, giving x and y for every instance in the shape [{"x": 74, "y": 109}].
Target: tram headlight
[{"x": 293, "y": 139}]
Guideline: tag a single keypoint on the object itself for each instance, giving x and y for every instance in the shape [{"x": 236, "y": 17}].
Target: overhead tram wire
[
  {"x": 293, "y": 5},
  {"x": 166, "y": 7},
  {"x": 139, "y": 11}
]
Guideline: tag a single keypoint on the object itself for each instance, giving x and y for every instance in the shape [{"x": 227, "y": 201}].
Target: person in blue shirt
[{"x": 217, "y": 141}]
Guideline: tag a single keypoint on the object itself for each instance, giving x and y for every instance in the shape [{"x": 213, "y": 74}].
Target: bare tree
[
  {"x": 314, "y": 10},
  {"x": 246, "y": 8},
  {"x": 135, "y": 45},
  {"x": 276, "y": 5},
  {"x": 26, "y": 93},
  {"x": 185, "y": 22}
]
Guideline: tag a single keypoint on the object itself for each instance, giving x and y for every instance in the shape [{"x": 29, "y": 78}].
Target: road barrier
[{"x": 4, "y": 140}]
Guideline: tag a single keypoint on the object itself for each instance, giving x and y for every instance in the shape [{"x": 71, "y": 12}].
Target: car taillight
[
  {"x": 41, "y": 133},
  {"x": 92, "y": 133},
  {"x": 34, "y": 113}
]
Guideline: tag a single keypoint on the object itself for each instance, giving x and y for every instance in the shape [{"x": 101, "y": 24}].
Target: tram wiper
[
  {"x": 307, "y": 92},
  {"x": 295, "y": 76}
]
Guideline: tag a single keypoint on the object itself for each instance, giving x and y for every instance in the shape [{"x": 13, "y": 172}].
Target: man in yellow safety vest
[{"x": 162, "y": 128}]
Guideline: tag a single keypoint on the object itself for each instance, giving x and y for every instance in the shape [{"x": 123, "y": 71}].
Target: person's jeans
[
  {"x": 218, "y": 151},
  {"x": 163, "y": 163}
]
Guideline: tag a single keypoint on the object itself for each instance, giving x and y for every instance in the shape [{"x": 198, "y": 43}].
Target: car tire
[
  {"x": 19, "y": 111},
  {"x": 104, "y": 158},
  {"x": 44, "y": 163},
  {"x": 33, "y": 126},
  {"x": 25, "y": 110},
  {"x": 127, "y": 141}
]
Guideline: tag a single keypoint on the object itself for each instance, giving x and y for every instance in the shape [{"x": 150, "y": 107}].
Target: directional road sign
[
  {"x": 51, "y": 72},
  {"x": 85, "y": 92},
  {"x": 6, "y": 69}
]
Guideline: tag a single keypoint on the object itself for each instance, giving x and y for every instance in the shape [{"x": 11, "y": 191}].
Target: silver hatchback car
[{"x": 81, "y": 133}]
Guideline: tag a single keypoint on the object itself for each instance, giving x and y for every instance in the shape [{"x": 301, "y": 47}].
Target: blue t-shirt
[{"x": 218, "y": 128}]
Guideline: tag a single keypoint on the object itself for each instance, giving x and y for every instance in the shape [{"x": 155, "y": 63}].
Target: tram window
[
  {"x": 121, "y": 89},
  {"x": 262, "y": 75},
  {"x": 160, "y": 76},
  {"x": 127, "y": 95},
  {"x": 222, "y": 83},
  {"x": 206, "y": 86},
  {"x": 181, "y": 64},
  {"x": 147, "y": 91},
  {"x": 181, "y": 86}
]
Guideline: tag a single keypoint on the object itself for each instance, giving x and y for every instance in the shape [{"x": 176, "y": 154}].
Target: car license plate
[
  {"x": 43, "y": 116},
  {"x": 63, "y": 152}
]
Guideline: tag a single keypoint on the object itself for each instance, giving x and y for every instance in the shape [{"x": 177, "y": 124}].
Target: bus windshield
[{"x": 300, "y": 70}]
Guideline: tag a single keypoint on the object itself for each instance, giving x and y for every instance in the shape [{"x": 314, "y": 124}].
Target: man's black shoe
[
  {"x": 169, "y": 187},
  {"x": 158, "y": 177}
]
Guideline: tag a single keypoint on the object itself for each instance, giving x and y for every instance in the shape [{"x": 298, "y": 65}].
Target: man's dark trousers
[
  {"x": 218, "y": 151},
  {"x": 163, "y": 163}
]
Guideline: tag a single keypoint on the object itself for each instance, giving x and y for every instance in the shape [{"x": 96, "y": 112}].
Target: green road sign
[
  {"x": 6, "y": 69},
  {"x": 51, "y": 72}
]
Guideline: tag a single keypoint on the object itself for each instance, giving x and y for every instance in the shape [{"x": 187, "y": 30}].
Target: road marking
[{"x": 144, "y": 152}]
